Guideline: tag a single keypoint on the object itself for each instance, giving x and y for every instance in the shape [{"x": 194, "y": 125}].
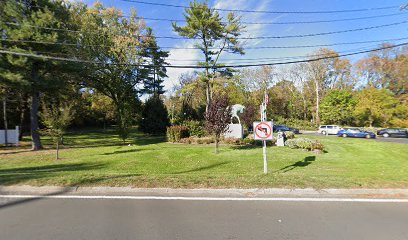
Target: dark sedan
[
  {"x": 283, "y": 128},
  {"x": 356, "y": 133},
  {"x": 393, "y": 132}
]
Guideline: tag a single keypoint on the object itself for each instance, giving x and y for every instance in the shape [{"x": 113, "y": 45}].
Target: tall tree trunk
[
  {"x": 23, "y": 108},
  {"x": 216, "y": 145},
  {"x": 208, "y": 95},
  {"x": 5, "y": 119},
  {"x": 35, "y": 101},
  {"x": 317, "y": 103}
]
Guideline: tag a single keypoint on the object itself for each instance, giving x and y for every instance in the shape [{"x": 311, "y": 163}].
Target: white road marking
[{"x": 282, "y": 199}]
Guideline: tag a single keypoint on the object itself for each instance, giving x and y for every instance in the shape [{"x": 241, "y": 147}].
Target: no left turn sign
[{"x": 263, "y": 131}]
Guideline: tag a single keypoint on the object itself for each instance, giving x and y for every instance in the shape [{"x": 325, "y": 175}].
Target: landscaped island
[{"x": 99, "y": 158}]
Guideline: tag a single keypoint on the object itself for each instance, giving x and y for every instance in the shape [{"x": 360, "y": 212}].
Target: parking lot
[{"x": 379, "y": 138}]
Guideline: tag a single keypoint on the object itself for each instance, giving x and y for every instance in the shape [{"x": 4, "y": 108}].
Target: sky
[{"x": 191, "y": 56}]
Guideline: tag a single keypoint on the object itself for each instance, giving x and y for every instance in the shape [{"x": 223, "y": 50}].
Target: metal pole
[{"x": 265, "y": 158}]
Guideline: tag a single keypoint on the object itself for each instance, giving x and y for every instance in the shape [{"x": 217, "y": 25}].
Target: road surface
[
  {"x": 378, "y": 138},
  {"x": 140, "y": 219}
]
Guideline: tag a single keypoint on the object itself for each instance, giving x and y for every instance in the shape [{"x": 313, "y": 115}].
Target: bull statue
[{"x": 235, "y": 111}]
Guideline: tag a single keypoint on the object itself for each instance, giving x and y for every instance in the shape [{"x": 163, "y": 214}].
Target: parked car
[
  {"x": 393, "y": 132},
  {"x": 329, "y": 129},
  {"x": 355, "y": 132},
  {"x": 283, "y": 128}
]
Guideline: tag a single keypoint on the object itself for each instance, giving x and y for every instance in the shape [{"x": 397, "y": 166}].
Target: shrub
[
  {"x": 154, "y": 116},
  {"x": 196, "y": 128},
  {"x": 205, "y": 140},
  {"x": 305, "y": 143},
  {"x": 176, "y": 133},
  {"x": 233, "y": 141},
  {"x": 249, "y": 140},
  {"x": 197, "y": 140},
  {"x": 290, "y": 135}
]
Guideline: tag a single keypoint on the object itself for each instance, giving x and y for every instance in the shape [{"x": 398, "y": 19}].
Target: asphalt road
[
  {"x": 379, "y": 138},
  {"x": 111, "y": 219}
]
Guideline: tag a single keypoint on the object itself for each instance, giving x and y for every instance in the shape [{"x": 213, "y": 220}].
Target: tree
[
  {"x": 337, "y": 107},
  {"x": 249, "y": 116},
  {"x": 257, "y": 81},
  {"x": 375, "y": 106},
  {"x": 33, "y": 75},
  {"x": 57, "y": 117},
  {"x": 103, "y": 107},
  {"x": 325, "y": 74},
  {"x": 387, "y": 68},
  {"x": 217, "y": 117},
  {"x": 122, "y": 56},
  {"x": 153, "y": 84},
  {"x": 155, "y": 118},
  {"x": 215, "y": 36}
]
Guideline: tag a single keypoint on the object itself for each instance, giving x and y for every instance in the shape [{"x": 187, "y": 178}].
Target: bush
[
  {"x": 176, "y": 133},
  {"x": 197, "y": 140},
  {"x": 154, "y": 116},
  {"x": 305, "y": 143},
  {"x": 196, "y": 128},
  {"x": 290, "y": 135},
  {"x": 249, "y": 140},
  {"x": 233, "y": 141}
]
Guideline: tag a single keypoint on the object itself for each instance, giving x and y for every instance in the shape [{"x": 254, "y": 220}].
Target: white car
[{"x": 329, "y": 129}]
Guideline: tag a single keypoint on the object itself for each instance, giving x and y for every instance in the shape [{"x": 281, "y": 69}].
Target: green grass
[{"x": 100, "y": 159}]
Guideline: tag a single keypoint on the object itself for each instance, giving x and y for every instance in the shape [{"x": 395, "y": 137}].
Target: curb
[{"x": 240, "y": 193}]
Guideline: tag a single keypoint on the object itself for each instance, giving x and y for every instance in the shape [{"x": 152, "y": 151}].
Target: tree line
[{"x": 115, "y": 59}]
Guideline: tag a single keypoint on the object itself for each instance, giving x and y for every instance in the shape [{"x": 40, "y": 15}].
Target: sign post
[{"x": 264, "y": 130}]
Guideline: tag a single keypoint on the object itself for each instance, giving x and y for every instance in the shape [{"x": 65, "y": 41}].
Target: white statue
[{"x": 236, "y": 110}]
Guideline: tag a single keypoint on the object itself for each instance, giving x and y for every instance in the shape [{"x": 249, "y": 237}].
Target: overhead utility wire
[
  {"x": 282, "y": 23},
  {"x": 273, "y": 12},
  {"x": 190, "y": 48},
  {"x": 201, "y": 67},
  {"x": 266, "y": 23},
  {"x": 254, "y": 38}
]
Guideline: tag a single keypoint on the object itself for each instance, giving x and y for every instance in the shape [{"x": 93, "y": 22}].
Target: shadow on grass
[
  {"x": 19, "y": 175},
  {"x": 306, "y": 162},
  {"x": 122, "y": 151},
  {"x": 211, "y": 166},
  {"x": 93, "y": 180},
  {"x": 245, "y": 147}
]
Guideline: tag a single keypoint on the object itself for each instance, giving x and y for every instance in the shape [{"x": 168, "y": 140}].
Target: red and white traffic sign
[{"x": 263, "y": 131}]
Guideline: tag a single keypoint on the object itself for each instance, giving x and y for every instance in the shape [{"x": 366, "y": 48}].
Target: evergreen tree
[
  {"x": 155, "y": 118},
  {"x": 153, "y": 84},
  {"x": 22, "y": 24},
  {"x": 214, "y": 36}
]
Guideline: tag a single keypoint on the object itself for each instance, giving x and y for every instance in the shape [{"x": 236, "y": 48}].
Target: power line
[
  {"x": 265, "y": 23},
  {"x": 191, "y": 48},
  {"x": 267, "y": 12},
  {"x": 202, "y": 67},
  {"x": 265, "y": 59},
  {"x": 304, "y": 35},
  {"x": 282, "y": 23},
  {"x": 254, "y": 38}
]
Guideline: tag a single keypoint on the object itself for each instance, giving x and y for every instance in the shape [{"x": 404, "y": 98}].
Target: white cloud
[
  {"x": 253, "y": 30},
  {"x": 180, "y": 57}
]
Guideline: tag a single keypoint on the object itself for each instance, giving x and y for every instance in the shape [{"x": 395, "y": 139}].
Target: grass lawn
[{"x": 100, "y": 159}]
